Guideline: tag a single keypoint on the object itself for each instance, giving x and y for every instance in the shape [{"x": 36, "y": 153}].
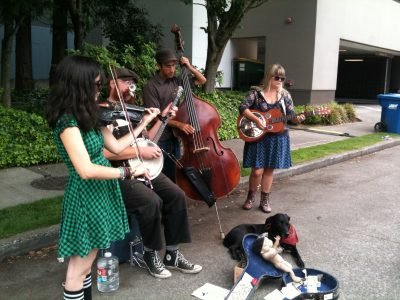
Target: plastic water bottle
[{"x": 107, "y": 273}]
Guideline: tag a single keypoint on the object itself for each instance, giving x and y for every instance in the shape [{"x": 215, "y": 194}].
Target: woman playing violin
[
  {"x": 272, "y": 151},
  {"x": 93, "y": 213}
]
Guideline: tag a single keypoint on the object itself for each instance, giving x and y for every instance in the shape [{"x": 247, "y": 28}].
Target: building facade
[
  {"x": 331, "y": 49},
  {"x": 344, "y": 50}
]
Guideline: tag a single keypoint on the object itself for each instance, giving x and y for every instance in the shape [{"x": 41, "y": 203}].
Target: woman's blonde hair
[{"x": 272, "y": 71}]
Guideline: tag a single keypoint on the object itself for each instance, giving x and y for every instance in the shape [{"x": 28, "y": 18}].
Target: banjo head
[{"x": 154, "y": 165}]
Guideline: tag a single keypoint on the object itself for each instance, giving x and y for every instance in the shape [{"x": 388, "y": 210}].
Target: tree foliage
[
  {"x": 13, "y": 13},
  {"x": 126, "y": 24},
  {"x": 83, "y": 14},
  {"x": 143, "y": 64},
  {"x": 223, "y": 17}
]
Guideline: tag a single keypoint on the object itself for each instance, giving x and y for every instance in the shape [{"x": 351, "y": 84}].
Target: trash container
[
  {"x": 247, "y": 72},
  {"x": 390, "y": 115}
]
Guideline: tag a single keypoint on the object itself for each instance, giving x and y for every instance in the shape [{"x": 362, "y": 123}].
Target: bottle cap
[{"x": 107, "y": 254}]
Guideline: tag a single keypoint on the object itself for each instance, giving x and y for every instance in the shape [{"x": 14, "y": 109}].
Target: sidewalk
[{"x": 23, "y": 185}]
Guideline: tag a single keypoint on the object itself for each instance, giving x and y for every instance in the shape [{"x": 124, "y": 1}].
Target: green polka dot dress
[{"x": 93, "y": 212}]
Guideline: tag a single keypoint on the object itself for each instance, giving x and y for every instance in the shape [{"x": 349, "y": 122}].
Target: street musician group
[{"x": 123, "y": 158}]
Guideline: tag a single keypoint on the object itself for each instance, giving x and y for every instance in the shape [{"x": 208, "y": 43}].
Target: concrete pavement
[{"x": 346, "y": 216}]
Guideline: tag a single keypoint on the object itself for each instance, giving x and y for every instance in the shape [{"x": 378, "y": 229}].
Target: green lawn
[
  {"x": 46, "y": 212},
  {"x": 29, "y": 216},
  {"x": 314, "y": 152}
]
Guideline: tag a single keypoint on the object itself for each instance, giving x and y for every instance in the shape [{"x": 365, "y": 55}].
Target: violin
[{"x": 108, "y": 112}]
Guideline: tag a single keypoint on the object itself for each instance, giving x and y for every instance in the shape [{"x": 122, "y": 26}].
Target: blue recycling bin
[{"x": 390, "y": 115}]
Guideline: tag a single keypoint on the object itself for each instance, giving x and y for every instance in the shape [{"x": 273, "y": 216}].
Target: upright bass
[{"x": 207, "y": 171}]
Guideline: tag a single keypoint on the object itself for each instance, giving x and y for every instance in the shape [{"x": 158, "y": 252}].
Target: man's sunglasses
[{"x": 279, "y": 78}]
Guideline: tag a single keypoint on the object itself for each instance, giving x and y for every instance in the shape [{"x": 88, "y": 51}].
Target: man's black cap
[
  {"x": 126, "y": 74},
  {"x": 164, "y": 56}
]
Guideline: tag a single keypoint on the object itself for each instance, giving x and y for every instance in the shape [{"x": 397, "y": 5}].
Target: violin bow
[{"x": 124, "y": 109}]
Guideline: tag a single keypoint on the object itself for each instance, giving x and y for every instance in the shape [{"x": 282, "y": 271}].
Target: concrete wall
[
  {"x": 189, "y": 18},
  {"x": 289, "y": 29},
  {"x": 366, "y": 22},
  {"x": 308, "y": 46},
  {"x": 304, "y": 36},
  {"x": 41, "y": 51},
  {"x": 169, "y": 12}
]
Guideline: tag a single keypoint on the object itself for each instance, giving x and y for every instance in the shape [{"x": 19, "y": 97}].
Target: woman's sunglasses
[{"x": 279, "y": 78}]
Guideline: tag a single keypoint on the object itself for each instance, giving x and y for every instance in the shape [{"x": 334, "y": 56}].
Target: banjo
[{"x": 154, "y": 165}]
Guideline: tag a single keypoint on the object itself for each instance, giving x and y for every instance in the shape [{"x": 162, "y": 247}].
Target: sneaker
[
  {"x": 175, "y": 260},
  {"x": 154, "y": 265}
]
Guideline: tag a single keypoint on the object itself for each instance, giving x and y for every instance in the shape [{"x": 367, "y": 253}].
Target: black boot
[
  {"x": 73, "y": 295},
  {"x": 87, "y": 287}
]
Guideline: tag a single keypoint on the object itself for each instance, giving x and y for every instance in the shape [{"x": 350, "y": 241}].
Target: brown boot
[
  {"x": 265, "y": 203},
  {"x": 248, "y": 204}
]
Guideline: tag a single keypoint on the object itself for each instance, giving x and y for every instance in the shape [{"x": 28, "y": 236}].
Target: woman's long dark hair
[{"x": 73, "y": 92}]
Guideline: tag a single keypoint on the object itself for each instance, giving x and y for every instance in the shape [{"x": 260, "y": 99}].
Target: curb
[
  {"x": 326, "y": 161},
  {"x": 24, "y": 242},
  {"x": 40, "y": 238}
]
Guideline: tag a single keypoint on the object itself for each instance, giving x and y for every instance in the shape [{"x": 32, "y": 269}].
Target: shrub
[
  {"x": 338, "y": 114},
  {"x": 350, "y": 112},
  {"x": 25, "y": 139},
  {"x": 143, "y": 64},
  {"x": 313, "y": 115},
  {"x": 32, "y": 101},
  {"x": 227, "y": 104}
]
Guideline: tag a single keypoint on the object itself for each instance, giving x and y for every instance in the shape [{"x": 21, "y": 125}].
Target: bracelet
[
  {"x": 128, "y": 174},
  {"x": 161, "y": 118},
  {"x": 121, "y": 173}
]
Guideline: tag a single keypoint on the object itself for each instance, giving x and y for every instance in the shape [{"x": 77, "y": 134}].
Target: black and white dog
[{"x": 277, "y": 224}]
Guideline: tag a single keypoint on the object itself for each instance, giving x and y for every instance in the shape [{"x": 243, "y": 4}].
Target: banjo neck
[{"x": 164, "y": 120}]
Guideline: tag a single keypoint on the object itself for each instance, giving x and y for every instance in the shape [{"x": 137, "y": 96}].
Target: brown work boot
[
  {"x": 265, "y": 203},
  {"x": 248, "y": 204}
]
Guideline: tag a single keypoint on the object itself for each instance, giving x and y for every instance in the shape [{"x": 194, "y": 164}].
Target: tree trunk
[
  {"x": 60, "y": 35},
  {"x": 218, "y": 33},
  {"x": 23, "y": 56},
  {"x": 6, "y": 47},
  {"x": 75, "y": 10},
  {"x": 222, "y": 21},
  {"x": 78, "y": 33},
  {"x": 214, "y": 56}
]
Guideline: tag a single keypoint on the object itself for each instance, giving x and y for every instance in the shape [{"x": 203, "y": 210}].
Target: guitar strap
[{"x": 282, "y": 103}]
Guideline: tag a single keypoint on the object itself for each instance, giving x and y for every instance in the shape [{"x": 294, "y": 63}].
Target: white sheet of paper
[
  {"x": 275, "y": 295},
  {"x": 290, "y": 291},
  {"x": 242, "y": 289},
  {"x": 312, "y": 284},
  {"x": 210, "y": 292}
]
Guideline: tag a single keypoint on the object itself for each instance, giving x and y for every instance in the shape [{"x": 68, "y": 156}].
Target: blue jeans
[{"x": 173, "y": 148}]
